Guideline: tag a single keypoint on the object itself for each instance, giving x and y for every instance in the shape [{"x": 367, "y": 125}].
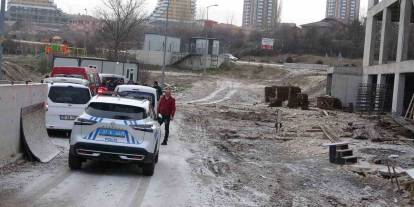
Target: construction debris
[
  {"x": 304, "y": 101},
  {"x": 270, "y": 93},
  {"x": 365, "y": 132},
  {"x": 340, "y": 153},
  {"x": 277, "y": 95},
  {"x": 328, "y": 103}
]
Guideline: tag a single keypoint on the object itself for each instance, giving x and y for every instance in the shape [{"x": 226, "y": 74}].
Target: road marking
[{"x": 139, "y": 188}]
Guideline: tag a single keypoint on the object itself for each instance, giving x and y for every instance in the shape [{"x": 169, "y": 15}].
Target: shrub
[
  {"x": 43, "y": 66},
  {"x": 319, "y": 62},
  {"x": 289, "y": 60}
]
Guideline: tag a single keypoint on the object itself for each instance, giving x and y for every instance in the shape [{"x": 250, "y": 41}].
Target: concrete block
[{"x": 12, "y": 99}]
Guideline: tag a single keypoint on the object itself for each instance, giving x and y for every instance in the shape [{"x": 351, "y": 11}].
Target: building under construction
[
  {"x": 179, "y": 11},
  {"x": 35, "y": 12}
]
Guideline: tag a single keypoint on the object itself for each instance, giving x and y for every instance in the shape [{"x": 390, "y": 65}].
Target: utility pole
[
  {"x": 165, "y": 45},
  {"x": 207, "y": 43},
  {"x": 85, "y": 19},
  {"x": 2, "y": 15}
]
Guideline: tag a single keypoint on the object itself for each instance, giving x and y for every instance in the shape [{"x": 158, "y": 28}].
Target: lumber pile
[{"x": 277, "y": 95}]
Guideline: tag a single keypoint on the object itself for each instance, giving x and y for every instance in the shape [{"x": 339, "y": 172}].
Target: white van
[{"x": 65, "y": 102}]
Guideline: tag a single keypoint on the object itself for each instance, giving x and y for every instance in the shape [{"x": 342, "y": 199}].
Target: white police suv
[{"x": 116, "y": 129}]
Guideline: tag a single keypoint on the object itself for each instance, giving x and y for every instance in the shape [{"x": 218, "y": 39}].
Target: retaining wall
[
  {"x": 301, "y": 66},
  {"x": 12, "y": 99}
]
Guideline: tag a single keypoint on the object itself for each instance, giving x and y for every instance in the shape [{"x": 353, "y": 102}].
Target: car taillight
[
  {"x": 144, "y": 128},
  {"x": 102, "y": 90},
  {"x": 80, "y": 121}
]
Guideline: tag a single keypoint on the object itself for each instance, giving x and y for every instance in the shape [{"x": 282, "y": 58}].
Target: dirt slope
[{"x": 20, "y": 68}]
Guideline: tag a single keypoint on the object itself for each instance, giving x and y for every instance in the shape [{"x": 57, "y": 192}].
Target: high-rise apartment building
[
  {"x": 179, "y": 11},
  {"x": 260, "y": 14},
  {"x": 35, "y": 11},
  {"x": 344, "y": 10}
]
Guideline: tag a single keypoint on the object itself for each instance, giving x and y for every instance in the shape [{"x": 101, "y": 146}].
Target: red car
[{"x": 90, "y": 74}]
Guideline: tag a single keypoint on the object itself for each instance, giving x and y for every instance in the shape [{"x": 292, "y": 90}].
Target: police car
[{"x": 116, "y": 129}]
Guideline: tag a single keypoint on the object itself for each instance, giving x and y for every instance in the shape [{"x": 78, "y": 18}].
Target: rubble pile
[{"x": 328, "y": 103}]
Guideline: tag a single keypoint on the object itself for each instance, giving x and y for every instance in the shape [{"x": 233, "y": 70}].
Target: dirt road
[
  {"x": 102, "y": 184},
  {"x": 224, "y": 151}
]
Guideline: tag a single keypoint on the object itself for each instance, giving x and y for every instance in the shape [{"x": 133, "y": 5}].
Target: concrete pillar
[
  {"x": 369, "y": 48},
  {"x": 385, "y": 36},
  {"x": 365, "y": 78},
  {"x": 398, "y": 95},
  {"x": 379, "y": 79},
  {"x": 404, "y": 29}
]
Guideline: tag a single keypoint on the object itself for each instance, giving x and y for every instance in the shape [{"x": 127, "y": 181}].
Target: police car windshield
[
  {"x": 69, "y": 95},
  {"x": 116, "y": 111},
  {"x": 138, "y": 95}
]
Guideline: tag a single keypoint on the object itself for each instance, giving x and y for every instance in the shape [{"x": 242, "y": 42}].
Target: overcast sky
[{"x": 296, "y": 11}]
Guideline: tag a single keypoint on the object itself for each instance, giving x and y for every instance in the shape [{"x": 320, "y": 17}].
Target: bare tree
[
  {"x": 121, "y": 19},
  {"x": 230, "y": 18},
  {"x": 201, "y": 14}
]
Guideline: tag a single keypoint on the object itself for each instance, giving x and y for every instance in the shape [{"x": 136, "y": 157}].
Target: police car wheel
[
  {"x": 74, "y": 162},
  {"x": 148, "y": 169}
]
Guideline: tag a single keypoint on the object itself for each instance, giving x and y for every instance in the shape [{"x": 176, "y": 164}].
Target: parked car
[
  {"x": 116, "y": 129},
  {"x": 111, "y": 81},
  {"x": 65, "y": 102},
  {"x": 230, "y": 57},
  {"x": 86, "y": 73},
  {"x": 138, "y": 92}
]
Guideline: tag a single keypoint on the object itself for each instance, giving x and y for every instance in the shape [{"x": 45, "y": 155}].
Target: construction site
[
  {"x": 264, "y": 136},
  {"x": 246, "y": 132}
]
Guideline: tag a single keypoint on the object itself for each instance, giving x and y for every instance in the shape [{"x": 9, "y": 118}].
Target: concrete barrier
[
  {"x": 301, "y": 66},
  {"x": 37, "y": 144},
  {"x": 12, "y": 99}
]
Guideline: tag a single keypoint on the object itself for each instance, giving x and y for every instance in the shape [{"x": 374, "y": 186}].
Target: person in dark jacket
[
  {"x": 158, "y": 88},
  {"x": 166, "y": 109}
]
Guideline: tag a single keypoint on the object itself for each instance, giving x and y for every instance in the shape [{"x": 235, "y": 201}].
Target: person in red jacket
[{"x": 167, "y": 110}]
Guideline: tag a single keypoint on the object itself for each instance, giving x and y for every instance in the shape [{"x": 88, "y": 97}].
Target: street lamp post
[
  {"x": 165, "y": 45},
  {"x": 2, "y": 15},
  {"x": 207, "y": 43}
]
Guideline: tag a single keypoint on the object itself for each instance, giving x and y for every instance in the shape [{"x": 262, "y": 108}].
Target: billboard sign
[{"x": 267, "y": 43}]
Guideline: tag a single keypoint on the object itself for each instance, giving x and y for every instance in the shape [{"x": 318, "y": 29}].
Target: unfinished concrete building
[{"x": 389, "y": 52}]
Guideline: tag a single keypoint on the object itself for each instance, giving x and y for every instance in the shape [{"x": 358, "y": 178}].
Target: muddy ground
[
  {"x": 225, "y": 151},
  {"x": 242, "y": 161}
]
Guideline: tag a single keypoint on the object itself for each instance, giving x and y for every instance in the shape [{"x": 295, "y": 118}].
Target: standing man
[
  {"x": 159, "y": 89},
  {"x": 167, "y": 110}
]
